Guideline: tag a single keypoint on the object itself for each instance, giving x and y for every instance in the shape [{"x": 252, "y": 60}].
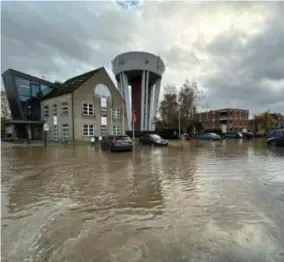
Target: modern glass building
[{"x": 24, "y": 93}]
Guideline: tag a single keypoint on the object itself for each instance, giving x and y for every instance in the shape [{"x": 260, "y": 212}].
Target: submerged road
[{"x": 194, "y": 201}]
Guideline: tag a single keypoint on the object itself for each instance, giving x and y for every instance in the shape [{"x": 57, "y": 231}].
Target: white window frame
[
  {"x": 104, "y": 112},
  {"x": 116, "y": 113},
  {"x": 88, "y": 130},
  {"x": 64, "y": 108},
  {"x": 46, "y": 111},
  {"x": 65, "y": 131},
  {"x": 55, "y": 132},
  {"x": 116, "y": 130},
  {"x": 88, "y": 109},
  {"x": 54, "y": 109},
  {"x": 104, "y": 130}
]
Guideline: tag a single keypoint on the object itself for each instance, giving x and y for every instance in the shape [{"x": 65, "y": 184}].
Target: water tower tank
[{"x": 143, "y": 72}]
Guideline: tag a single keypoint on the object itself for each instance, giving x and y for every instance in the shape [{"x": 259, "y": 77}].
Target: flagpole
[
  {"x": 133, "y": 134},
  {"x": 123, "y": 119},
  {"x": 133, "y": 127},
  {"x": 111, "y": 120}
]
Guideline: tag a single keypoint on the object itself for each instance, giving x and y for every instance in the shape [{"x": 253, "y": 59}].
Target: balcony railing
[{"x": 223, "y": 118}]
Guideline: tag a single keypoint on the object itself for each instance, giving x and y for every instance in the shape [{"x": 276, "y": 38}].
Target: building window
[
  {"x": 55, "y": 132},
  {"x": 64, "y": 108},
  {"x": 23, "y": 86},
  {"x": 54, "y": 110},
  {"x": 116, "y": 113},
  {"x": 88, "y": 109},
  {"x": 45, "y": 89},
  {"x": 46, "y": 111},
  {"x": 65, "y": 131},
  {"x": 35, "y": 88},
  {"x": 116, "y": 130},
  {"x": 104, "y": 130},
  {"x": 89, "y": 130},
  {"x": 103, "y": 112}
]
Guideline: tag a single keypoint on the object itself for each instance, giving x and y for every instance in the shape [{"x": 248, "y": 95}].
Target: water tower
[{"x": 143, "y": 72}]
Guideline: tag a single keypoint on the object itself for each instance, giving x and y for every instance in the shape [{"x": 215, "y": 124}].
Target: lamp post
[
  {"x": 179, "y": 125},
  {"x": 45, "y": 129}
]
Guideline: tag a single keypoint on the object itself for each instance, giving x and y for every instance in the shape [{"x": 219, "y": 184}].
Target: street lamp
[{"x": 179, "y": 125}]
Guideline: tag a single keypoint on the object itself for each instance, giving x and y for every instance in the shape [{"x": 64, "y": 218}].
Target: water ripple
[{"x": 195, "y": 201}]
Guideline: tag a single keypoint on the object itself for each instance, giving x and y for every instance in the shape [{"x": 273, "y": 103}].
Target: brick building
[{"x": 234, "y": 119}]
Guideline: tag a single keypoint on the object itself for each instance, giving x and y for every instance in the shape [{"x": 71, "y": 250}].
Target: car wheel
[{"x": 273, "y": 143}]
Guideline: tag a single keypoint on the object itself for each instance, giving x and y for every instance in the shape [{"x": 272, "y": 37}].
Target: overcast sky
[{"x": 233, "y": 50}]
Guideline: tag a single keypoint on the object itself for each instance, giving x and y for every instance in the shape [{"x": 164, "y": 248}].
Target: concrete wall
[
  {"x": 61, "y": 119},
  {"x": 138, "y": 61}
]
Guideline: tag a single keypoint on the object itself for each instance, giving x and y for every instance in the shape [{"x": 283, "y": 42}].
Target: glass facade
[
  {"x": 45, "y": 89},
  {"x": 29, "y": 94}
]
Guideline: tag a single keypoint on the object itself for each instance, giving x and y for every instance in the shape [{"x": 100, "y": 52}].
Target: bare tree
[
  {"x": 168, "y": 106},
  {"x": 5, "y": 108},
  {"x": 188, "y": 98}
]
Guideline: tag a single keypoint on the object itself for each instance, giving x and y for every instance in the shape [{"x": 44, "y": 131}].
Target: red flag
[{"x": 134, "y": 117}]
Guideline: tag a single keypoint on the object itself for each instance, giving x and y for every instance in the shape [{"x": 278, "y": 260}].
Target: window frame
[
  {"x": 104, "y": 130},
  {"x": 116, "y": 130},
  {"x": 64, "y": 106},
  {"x": 116, "y": 113},
  {"x": 65, "y": 127},
  {"x": 55, "y": 132},
  {"x": 88, "y": 109},
  {"x": 46, "y": 110},
  {"x": 54, "y": 109},
  {"x": 88, "y": 128}
]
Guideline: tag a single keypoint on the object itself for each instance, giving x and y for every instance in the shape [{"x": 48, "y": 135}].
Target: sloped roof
[{"x": 70, "y": 85}]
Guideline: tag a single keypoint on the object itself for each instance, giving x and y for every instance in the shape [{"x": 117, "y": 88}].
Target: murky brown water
[{"x": 202, "y": 201}]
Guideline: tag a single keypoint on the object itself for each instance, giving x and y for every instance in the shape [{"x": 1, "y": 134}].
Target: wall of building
[
  {"x": 237, "y": 119},
  {"x": 85, "y": 94},
  {"x": 56, "y": 131}
]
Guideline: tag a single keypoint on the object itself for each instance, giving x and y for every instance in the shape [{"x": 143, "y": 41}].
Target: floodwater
[{"x": 195, "y": 201}]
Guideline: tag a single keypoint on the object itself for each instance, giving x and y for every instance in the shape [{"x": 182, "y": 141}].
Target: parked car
[
  {"x": 277, "y": 138},
  {"x": 247, "y": 135},
  {"x": 117, "y": 143},
  {"x": 153, "y": 139},
  {"x": 236, "y": 135},
  {"x": 209, "y": 136},
  {"x": 185, "y": 136}
]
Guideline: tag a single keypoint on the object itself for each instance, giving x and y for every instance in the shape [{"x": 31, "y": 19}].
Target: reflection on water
[{"x": 196, "y": 201}]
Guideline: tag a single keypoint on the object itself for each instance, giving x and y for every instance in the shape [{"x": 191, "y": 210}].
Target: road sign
[{"x": 46, "y": 127}]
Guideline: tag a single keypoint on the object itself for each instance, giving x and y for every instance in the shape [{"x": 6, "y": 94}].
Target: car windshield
[
  {"x": 122, "y": 138},
  {"x": 211, "y": 134},
  {"x": 155, "y": 137}
]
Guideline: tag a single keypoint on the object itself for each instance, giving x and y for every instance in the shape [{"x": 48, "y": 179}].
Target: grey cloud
[
  {"x": 60, "y": 39},
  {"x": 43, "y": 31},
  {"x": 245, "y": 67}
]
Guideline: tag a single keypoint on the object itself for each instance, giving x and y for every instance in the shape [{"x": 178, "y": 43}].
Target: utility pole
[{"x": 179, "y": 125}]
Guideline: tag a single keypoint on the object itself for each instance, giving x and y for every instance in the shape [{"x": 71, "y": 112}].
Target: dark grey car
[
  {"x": 153, "y": 139},
  {"x": 117, "y": 143}
]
